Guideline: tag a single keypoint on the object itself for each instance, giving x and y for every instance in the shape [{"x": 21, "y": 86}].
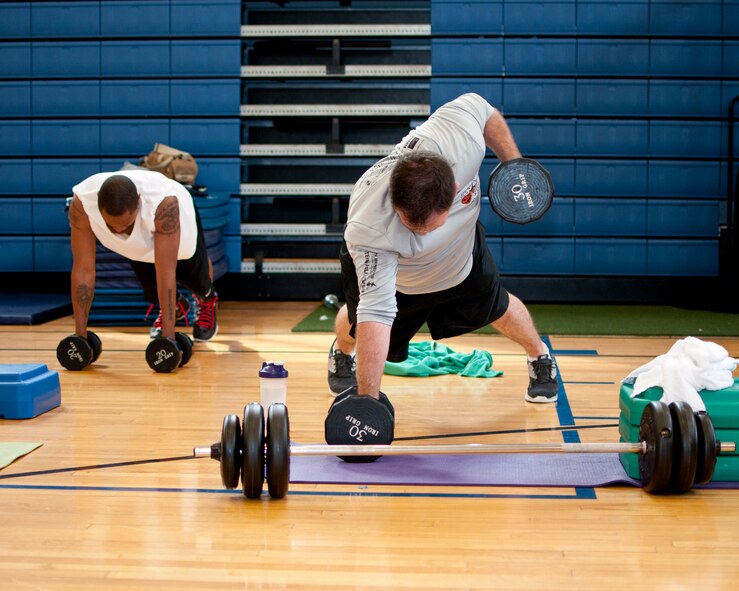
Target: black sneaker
[
  {"x": 342, "y": 375},
  {"x": 205, "y": 326},
  {"x": 181, "y": 311},
  {"x": 543, "y": 385}
]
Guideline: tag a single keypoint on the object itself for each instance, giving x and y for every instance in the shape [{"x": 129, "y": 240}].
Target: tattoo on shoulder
[{"x": 168, "y": 218}]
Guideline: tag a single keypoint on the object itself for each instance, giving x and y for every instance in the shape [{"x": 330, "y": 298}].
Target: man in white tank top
[
  {"x": 415, "y": 252},
  {"x": 151, "y": 220}
]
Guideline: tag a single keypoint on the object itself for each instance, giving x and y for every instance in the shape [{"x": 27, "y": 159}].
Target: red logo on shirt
[{"x": 469, "y": 195}]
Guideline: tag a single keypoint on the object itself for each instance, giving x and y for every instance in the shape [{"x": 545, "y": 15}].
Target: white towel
[{"x": 691, "y": 365}]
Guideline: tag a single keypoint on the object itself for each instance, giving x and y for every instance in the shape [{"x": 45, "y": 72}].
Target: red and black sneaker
[
  {"x": 205, "y": 326},
  {"x": 183, "y": 309}
]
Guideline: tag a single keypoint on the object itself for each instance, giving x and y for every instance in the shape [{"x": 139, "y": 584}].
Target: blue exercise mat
[{"x": 33, "y": 308}]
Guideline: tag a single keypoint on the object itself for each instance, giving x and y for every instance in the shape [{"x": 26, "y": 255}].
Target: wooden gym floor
[{"x": 78, "y": 524}]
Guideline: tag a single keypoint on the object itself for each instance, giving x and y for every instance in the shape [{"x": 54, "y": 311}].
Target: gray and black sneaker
[
  {"x": 342, "y": 376},
  {"x": 205, "y": 326},
  {"x": 543, "y": 385}
]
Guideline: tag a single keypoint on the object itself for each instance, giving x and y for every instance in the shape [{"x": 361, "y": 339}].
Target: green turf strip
[{"x": 593, "y": 320}]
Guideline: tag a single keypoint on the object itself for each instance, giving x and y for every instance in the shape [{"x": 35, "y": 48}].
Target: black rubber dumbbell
[
  {"x": 165, "y": 355},
  {"x": 360, "y": 420},
  {"x": 75, "y": 352}
]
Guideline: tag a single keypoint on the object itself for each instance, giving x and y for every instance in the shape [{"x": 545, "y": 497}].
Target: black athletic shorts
[
  {"x": 193, "y": 273},
  {"x": 474, "y": 303}
]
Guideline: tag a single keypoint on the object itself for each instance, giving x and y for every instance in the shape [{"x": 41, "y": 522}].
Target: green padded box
[{"x": 722, "y": 406}]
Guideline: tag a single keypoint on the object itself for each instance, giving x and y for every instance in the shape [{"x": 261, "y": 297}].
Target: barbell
[{"x": 677, "y": 448}]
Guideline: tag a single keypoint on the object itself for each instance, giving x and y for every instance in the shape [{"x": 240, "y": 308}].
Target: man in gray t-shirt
[{"x": 414, "y": 252}]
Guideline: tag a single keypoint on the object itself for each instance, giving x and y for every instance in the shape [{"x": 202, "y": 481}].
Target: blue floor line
[
  {"x": 585, "y": 352},
  {"x": 565, "y": 416},
  {"x": 580, "y": 493}
]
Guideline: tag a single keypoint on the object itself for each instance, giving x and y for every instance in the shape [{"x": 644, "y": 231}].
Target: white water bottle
[{"x": 272, "y": 384}]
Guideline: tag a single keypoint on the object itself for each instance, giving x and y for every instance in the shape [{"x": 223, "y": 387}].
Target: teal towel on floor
[{"x": 429, "y": 358}]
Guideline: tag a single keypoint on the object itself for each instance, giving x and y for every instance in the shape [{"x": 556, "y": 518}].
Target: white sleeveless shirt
[{"x": 152, "y": 187}]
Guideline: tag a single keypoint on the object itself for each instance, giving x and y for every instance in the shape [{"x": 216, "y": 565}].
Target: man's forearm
[
  {"x": 167, "y": 291},
  {"x": 500, "y": 139},
  {"x": 83, "y": 289},
  {"x": 372, "y": 342}
]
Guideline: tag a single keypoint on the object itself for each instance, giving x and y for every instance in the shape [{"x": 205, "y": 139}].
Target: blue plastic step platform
[{"x": 27, "y": 390}]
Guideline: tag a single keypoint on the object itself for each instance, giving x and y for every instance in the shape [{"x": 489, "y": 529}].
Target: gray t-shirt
[{"x": 388, "y": 256}]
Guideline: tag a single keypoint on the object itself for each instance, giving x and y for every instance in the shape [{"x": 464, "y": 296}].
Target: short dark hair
[
  {"x": 421, "y": 184},
  {"x": 118, "y": 195}
]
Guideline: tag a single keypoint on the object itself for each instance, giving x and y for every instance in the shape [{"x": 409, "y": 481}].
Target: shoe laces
[
  {"x": 181, "y": 313},
  {"x": 206, "y": 312},
  {"x": 543, "y": 368},
  {"x": 345, "y": 364}
]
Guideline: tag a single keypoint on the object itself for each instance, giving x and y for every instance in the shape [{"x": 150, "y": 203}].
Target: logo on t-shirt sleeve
[
  {"x": 369, "y": 269},
  {"x": 470, "y": 192}
]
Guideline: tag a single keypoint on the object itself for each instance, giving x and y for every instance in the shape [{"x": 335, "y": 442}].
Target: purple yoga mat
[{"x": 547, "y": 470}]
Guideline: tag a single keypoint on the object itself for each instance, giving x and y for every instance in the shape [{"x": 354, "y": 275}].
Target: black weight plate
[
  {"x": 278, "y": 451},
  {"x": 74, "y": 353},
  {"x": 655, "y": 464},
  {"x": 685, "y": 450},
  {"x": 163, "y": 355},
  {"x": 520, "y": 190},
  {"x": 359, "y": 420},
  {"x": 185, "y": 345},
  {"x": 96, "y": 344},
  {"x": 252, "y": 475},
  {"x": 707, "y": 448},
  {"x": 230, "y": 451}
]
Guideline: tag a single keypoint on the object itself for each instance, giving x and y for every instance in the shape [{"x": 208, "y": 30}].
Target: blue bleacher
[
  {"x": 135, "y": 18},
  {"x": 53, "y": 137},
  {"x": 685, "y": 18},
  {"x": 85, "y": 85},
  {"x": 610, "y": 256},
  {"x": 610, "y": 98},
  {"x": 16, "y": 253},
  {"x": 527, "y": 17},
  {"x": 539, "y": 96},
  {"x": 612, "y": 138},
  {"x": 608, "y": 17},
  {"x": 51, "y": 59},
  {"x": 15, "y": 20},
  {"x": 598, "y": 216},
  {"x": 15, "y": 215},
  {"x": 531, "y": 57},
  {"x": 216, "y": 17},
  {"x": 15, "y": 60},
  {"x": 15, "y": 138},
  {"x": 466, "y": 17},
  {"x": 624, "y": 102},
  {"x": 132, "y": 136},
  {"x": 15, "y": 98}
]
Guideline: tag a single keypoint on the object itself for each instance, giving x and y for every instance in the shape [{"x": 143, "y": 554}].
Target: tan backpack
[{"x": 171, "y": 162}]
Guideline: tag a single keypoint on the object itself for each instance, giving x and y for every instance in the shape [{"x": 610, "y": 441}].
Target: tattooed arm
[
  {"x": 83, "y": 266},
  {"x": 166, "y": 247}
]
